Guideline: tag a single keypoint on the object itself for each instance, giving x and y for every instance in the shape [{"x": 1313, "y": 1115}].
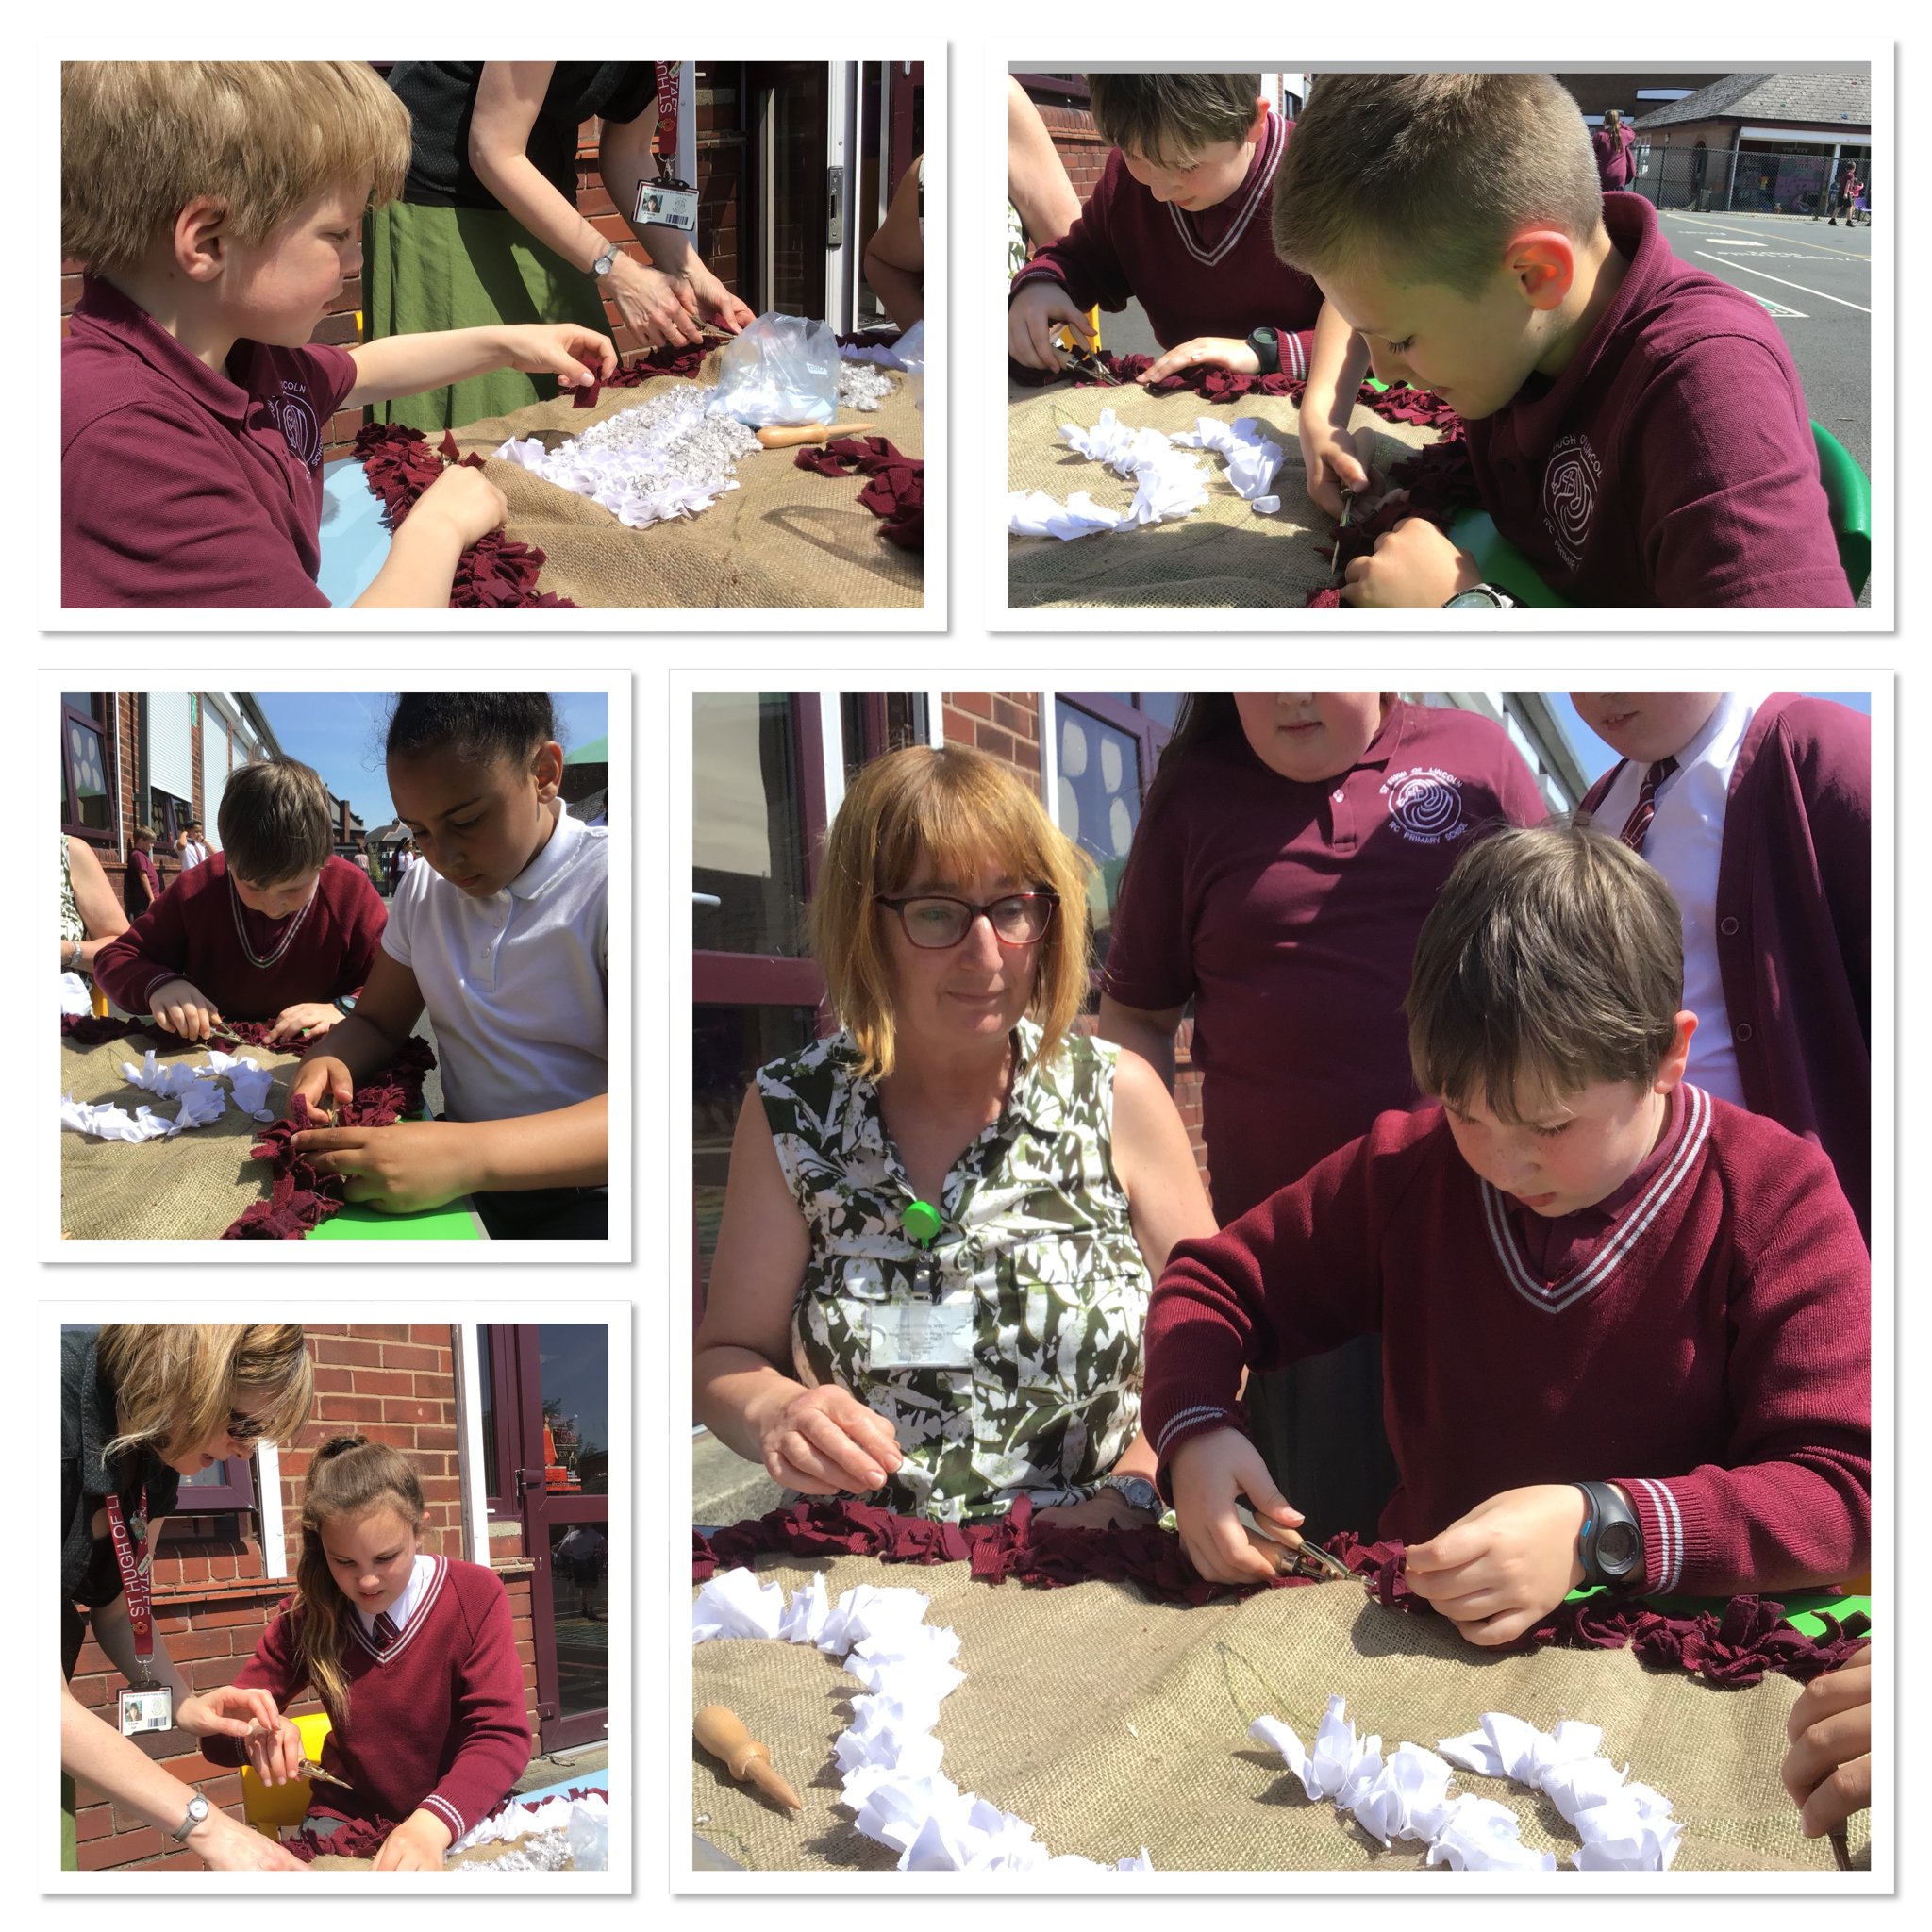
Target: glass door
[{"x": 794, "y": 189}]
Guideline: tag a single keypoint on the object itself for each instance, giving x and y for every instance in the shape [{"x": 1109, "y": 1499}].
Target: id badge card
[
  {"x": 923, "y": 1334},
  {"x": 667, "y": 204},
  {"x": 146, "y": 1708}
]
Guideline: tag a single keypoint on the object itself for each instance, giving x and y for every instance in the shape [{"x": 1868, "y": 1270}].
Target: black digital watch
[
  {"x": 1267, "y": 347},
  {"x": 1610, "y": 1543}
]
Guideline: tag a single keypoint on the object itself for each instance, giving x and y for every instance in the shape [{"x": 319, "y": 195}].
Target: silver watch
[
  {"x": 1481, "y": 597},
  {"x": 1138, "y": 1491},
  {"x": 197, "y": 1813},
  {"x": 601, "y": 267}
]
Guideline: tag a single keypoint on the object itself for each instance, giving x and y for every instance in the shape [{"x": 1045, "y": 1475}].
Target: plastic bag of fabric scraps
[{"x": 781, "y": 370}]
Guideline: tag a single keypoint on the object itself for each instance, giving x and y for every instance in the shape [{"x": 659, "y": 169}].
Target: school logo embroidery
[
  {"x": 296, "y": 417},
  {"x": 1425, "y": 805},
  {"x": 1571, "y": 479}
]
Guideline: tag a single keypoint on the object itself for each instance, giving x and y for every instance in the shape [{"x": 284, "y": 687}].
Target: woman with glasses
[
  {"x": 141, "y": 1406},
  {"x": 943, "y": 1221}
]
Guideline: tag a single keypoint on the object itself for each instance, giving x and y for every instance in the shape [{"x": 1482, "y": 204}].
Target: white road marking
[
  {"x": 1732, "y": 242},
  {"x": 1776, "y": 309},
  {"x": 1783, "y": 284}
]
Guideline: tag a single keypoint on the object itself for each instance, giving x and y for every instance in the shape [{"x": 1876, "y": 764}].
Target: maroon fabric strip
[
  {"x": 1440, "y": 481},
  {"x": 896, "y": 490},
  {"x": 685, "y": 361},
  {"x": 1737, "y": 1648}
]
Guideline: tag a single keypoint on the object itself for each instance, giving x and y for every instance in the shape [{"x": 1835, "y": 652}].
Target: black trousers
[
  {"x": 1318, "y": 1424},
  {"x": 545, "y": 1214}
]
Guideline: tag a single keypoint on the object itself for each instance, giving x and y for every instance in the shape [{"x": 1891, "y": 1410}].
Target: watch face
[{"x": 1618, "y": 1547}]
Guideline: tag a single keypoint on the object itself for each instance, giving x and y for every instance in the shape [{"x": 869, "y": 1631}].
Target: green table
[{"x": 456, "y": 1222}]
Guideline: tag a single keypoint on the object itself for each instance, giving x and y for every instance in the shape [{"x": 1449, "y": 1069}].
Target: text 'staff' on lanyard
[
  {"x": 667, "y": 202},
  {"x": 144, "y": 1706}
]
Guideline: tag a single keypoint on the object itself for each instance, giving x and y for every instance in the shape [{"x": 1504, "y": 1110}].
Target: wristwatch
[
  {"x": 1138, "y": 1491},
  {"x": 1267, "y": 347},
  {"x": 1610, "y": 1543},
  {"x": 1483, "y": 597},
  {"x": 601, "y": 267},
  {"x": 197, "y": 1813}
]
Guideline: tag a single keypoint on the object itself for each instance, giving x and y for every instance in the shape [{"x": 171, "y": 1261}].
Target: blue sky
[
  {"x": 340, "y": 732},
  {"x": 1597, "y": 758}
]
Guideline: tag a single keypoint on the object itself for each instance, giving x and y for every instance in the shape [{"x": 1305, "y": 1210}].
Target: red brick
[
  {"x": 403, "y": 1354},
  {"x": 193, "y": 1643},
  {"x": 358, "y": 1355},
  {"x": 387, "y": 1432},
  {"x": 436, "y": 1439},
  {"x": 96, "y": 1822},
  {"x": 215, "y": 1618},
  {"x": 122, "y": 1849},
  {"x": 436, "y": 1333},
  {"x": 383, "y": 1382},
  {"x": 1021, "y": 720},
  {"x": 436, "y": 1386},
  {"x": 348, "y": 1408},
  {"x": 408, "y": 1410},
  {"x": 977, "y": 702},
  {"x": 332, "y": 1381}
]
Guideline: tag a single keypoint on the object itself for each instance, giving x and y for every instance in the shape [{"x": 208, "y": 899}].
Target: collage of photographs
[{"x": 1149, "y": 1155}]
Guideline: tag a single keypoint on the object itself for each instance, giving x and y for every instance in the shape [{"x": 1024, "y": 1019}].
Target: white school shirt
[
  {"x": 1685, "y": 843},
  {"x": 404, "y": 1608},
  {"x": 192, "y": 853},
  {"x": 517, "y": 985}
]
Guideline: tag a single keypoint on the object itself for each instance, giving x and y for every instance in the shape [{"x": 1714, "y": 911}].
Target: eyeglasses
[
  {"x": 245, "y": 1429},
  {"x": 935, "y": 921}
]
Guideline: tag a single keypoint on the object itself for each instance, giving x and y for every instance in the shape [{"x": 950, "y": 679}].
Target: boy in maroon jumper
[
  {"x": 144, "y": 884},
  {"x": 1178, "y": 223},
  {"x": 272, "y": 927},
  {"x": 192, "y": 400},
  {"x": 1637, "y": 426},
  {"x": 1671, "y": 1292}
]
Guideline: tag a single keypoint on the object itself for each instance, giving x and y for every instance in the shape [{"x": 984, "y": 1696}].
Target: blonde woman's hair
[
  {"x": 947, "y": 813},
  {"x": 349, "y": 1477},
  {"x": 275, "y": 823},
  {"x": 139, "y": 139},
  {"x": 175, "y": 1384},
  {"x": 1425, "y": 178}
]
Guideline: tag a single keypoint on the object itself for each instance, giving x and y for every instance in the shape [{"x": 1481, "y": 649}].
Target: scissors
[{"x": 1307, "y": 1559}]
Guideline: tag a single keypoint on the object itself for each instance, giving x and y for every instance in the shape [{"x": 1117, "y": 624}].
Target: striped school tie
[
  {"x": 1637, "y": 827},
  {"x": 386, "y": 1632}
]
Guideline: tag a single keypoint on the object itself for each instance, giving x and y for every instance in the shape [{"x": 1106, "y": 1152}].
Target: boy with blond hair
[
  {"x": 1179, "y": 224},
  {"x": 1672, "y": 1293},
  {"x": 1637, "y": 426},
  {"x": 217, "y": 207},
  {"x": 274, "y": 926}
]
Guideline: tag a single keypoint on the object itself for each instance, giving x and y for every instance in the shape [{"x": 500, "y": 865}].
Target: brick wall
[
  {"x": 393, "y": 1383},
  {"x": 132, "y": 804}
]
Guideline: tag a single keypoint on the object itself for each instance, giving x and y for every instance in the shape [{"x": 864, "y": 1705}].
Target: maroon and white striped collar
[
  {"x": 1251, "y": 195},
  {"x": 418, "y": 1617}
]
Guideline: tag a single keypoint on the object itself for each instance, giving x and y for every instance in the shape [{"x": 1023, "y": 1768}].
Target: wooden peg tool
[
  {"x": 722, "y": 1732},
  {"x": 809, "y": 432}
]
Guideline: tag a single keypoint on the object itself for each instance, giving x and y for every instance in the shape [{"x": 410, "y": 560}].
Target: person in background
[
  {"x": 141, "y": 883},
  {"x": 895, "y": 256},
  {"x": 1611, "y": 143},
  {"x": 190, "y": 847}
]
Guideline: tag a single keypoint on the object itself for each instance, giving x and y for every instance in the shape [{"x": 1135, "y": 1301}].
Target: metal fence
[{"x": 1737, "y": 181}]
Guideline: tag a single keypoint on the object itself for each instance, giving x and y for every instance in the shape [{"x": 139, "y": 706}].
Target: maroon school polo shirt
[
  {"x": 1289, "y": 914},
  {"x": 1671, "y": 462},
  {"x": 182, "y": 485}
]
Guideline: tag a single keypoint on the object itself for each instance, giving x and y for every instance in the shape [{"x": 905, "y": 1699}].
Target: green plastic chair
[{"x": 1849, "y": 495}]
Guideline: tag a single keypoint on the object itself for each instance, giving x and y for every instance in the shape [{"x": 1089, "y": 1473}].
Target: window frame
[
  {"x": 236, "y": 1492},
  {"x": 104, "y": 838}
]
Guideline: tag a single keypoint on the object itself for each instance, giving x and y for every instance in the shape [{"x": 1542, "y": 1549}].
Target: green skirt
[
  {"x": 434, "y": 268},
  {"x": 70, "y": 1857}
]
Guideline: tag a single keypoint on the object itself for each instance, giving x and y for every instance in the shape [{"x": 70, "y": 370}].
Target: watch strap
[
  {"x": 1267, "y": 347},
  {"x": 1604, "y": 1509},
  {"x": 1138, "y": 1491},
  {"x": 198, "y": 1808}
]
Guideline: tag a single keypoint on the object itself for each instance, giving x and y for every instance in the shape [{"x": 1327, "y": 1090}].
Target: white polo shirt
[{"x": 517, "y": 984}]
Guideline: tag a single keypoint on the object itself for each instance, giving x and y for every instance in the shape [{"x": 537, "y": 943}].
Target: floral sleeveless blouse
[{"x": 1036, "y": 1227}]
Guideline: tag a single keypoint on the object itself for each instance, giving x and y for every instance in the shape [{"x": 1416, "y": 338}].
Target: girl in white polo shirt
[{"x": 503, "y": 936}]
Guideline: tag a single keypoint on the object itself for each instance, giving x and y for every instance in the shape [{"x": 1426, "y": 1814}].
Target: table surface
[{"x": 354, "y": 543}]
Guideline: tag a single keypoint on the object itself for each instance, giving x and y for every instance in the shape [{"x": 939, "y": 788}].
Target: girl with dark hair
[
  {"x": 1291, "y": 844},
  {"x": 412, "y": 1656},
  {"x": 502, "y": 939}
]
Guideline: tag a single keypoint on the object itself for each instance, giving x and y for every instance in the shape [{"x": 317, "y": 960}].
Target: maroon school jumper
[
  {"x": 196, "y": 931},
  {"x": 1705, "y": 1344},
  {"x": 1793, "y": 924},
  {"x": 436, "y": 1722},
  {"x": 1210, "y": 273},
  {"x": 140, "y": 897},
  {"x": 182, "y": 485},
  {"x": 1613, "y": 155},
  {"x": 1671, "y": 462}
]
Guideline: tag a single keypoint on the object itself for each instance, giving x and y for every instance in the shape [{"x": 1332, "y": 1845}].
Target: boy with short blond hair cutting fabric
[
  {"x": 1607, "y": 1302},
  {"x": 1637, "y": 426}
]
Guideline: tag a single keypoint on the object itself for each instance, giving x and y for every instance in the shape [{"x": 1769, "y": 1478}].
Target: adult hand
[
  {"x": 178, "y": 1005},
  {"x": 310, "y": 1019},
  {"x": 1106, "y": 1509},
  {"x": 411, "y": 1165},
  {"x": 228, "y": 1710},
  {"x": 464, "y": 500},
  {"x": 824, "y": 1441},
  {"x": 1828, "y": 1768},
  {"x": 325, "y": 1082},
  {"x": 223, "y": 1845},
  {"x": 1414, "y": 567},
  {"x": 1334, "y": 460},
  {"x": 417, "y": 1844},
  {"x": 1033, "y": 316},
  {"x": 1511, "y": 1560},
  {"x": 562, "y": 349},
  {"x": 1203, "y": 352},
  {"x": 1207, "y": 1473},
  {"x": 662, "y": 310},
  {"x": 717, "y": 303}
]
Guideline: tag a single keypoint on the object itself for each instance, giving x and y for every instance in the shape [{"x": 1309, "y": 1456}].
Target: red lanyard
[
  {"x": 667, "y": 119},
  {"x": 134, "y": 1574}
]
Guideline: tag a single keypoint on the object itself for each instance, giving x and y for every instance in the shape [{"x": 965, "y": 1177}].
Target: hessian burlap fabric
[
  {"x": 1220, "y": 556},
  {"x": 1109, "y": 1722},
  {"x": 785, "y": 539}
]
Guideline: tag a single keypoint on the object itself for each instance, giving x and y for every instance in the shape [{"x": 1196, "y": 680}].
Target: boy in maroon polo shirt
[
  {"x": 218, "y": 208},
  {"x": 1178, "y": 223},
  {"x": 144, "y": 878},
  {"x": 1637, "y": 426},
  {"x": 274, "y": 926},
  {"x": 1668, "y": 1293}
]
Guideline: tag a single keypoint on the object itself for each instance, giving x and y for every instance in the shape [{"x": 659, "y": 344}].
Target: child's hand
[
  {"x": 325, "y": 1082},
  {"x": 1207, "y": 1473},
  {"x": 561, "y": 349},
  {"x": 1511, "y": 1560},
  {"x": 1414, "y": 567},
  {"x": 1203, "y": 352},
  {"x": 417, "y": 1844},
  {"x": 178, "y": 1005},
  {"x": 276, "y": 1753},
  {"x": 1335, "y": 461},
  {"x": 1034, "y": 314},
  {"x": 412, "y": 1165},
  {"x": 465, "y": 500},
  {"x": 1828, "y": 1768},
  {"x": 824, "y": 1441},
  {"x": 228, "y": 1710},
  {"x": 313, "y": 1018}
]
